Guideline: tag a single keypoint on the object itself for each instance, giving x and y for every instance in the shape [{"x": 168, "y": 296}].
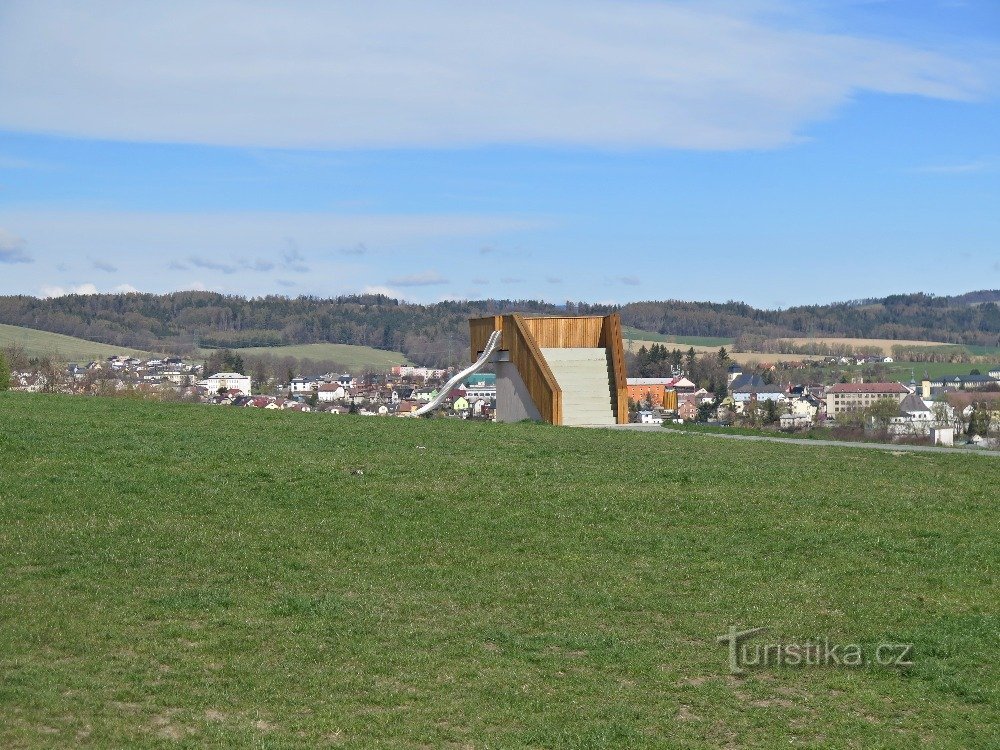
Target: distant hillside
[
  {"x": 44, "y": 344},
  {"x": 437, "y": 334},
  {"x": 346, "y": 355}
]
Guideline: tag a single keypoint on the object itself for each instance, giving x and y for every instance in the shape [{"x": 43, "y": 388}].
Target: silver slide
[{"x": 491, "y": 345}]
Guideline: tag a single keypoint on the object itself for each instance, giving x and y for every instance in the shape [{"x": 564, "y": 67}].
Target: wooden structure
[{"x": 522, "y": 341}]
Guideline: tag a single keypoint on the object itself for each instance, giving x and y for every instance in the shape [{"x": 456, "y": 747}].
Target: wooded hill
[{"x": 437, "y": 334}]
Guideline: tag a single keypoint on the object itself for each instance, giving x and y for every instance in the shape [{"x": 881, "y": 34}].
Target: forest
[{"x": 437, "y": 334}]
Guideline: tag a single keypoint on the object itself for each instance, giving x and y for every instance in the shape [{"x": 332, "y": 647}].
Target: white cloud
[
  {"x": 379, "y": 289},
  {"x": 60, "y": 291},
  {"x": 606, "y": 73},
  {"x": 125, "y": 289},
  {"x": 969, "y": 167}
]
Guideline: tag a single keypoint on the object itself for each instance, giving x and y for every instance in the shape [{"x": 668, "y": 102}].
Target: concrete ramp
[{"x": 585, "y": 377}]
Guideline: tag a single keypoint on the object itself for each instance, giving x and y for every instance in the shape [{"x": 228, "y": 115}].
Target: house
[
  {"x": 650, "y": 417},
  {"x": 973, "y": 382},
  {"x": 846, "y": 397},
  {"x": 405, "y": 407},
  {"x": 303, "y": 385},
  {"x": 915, "y": 417},
  {"x": 804, "y": 406},
  {"x": 746, "y": 380},
  {"x": 687, "y": 407},
  {"x": 460, "y": 404},
  {"x": 792, "y": 421},
  {"x": 228, "y": 381},
  {"x": 763, "y": 392},
  {"x": 481, "y": 386},
  {"x": 424, "y": 395},
  {"x": 659, "y": 391},
  {"x": 331, "y": 392},
  {"x": 655, "y": 391}
]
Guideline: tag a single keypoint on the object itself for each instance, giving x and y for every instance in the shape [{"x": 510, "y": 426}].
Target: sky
[{"x": 768, "y": 151}]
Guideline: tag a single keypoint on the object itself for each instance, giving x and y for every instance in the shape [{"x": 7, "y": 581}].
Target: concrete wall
[{"x": 513, "y": 400}]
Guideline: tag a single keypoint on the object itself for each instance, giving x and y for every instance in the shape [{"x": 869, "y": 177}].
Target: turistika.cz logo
[{"x": 819, "y": 653}]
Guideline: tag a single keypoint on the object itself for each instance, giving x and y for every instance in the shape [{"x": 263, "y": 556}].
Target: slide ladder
[{"x": 491, "y": 345}]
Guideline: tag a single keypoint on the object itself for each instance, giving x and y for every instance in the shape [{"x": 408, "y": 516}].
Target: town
[{"x": 947, "y": 410}]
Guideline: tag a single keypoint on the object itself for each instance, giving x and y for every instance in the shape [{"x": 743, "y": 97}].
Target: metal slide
[{"x": 491, "y": 345}]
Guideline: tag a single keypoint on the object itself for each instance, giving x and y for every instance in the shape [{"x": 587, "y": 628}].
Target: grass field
[
  {"x": 348, "y": 355},
  {"x": 195, "y": 576},
  {"x": 661, "y": 338},
  {"x": 69, "y": 348}
]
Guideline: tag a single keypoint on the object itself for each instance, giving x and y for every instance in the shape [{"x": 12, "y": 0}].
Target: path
[{"x": 801, "y": 441}]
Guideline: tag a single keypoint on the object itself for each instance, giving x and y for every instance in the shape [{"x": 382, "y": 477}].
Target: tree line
[{"x": 437, "y": 334}]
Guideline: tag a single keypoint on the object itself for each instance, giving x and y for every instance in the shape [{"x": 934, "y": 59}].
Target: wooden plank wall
[
  {"x": 565, "y": 332},
  {"x": 611, "y": 339},
  {"x": 534, "y": 370},
  {"x": 479, "y": 333}
]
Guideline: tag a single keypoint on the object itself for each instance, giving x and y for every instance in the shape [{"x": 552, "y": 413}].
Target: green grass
[
  {"x": 903, "y": 370},
  {"x": 993, "y": 351},
  {"x": 348, "y": 355},
  {"x": 639, "y": 335},
  {"x": 195, "y": 576},
  {"x": 63, "y": 348}
]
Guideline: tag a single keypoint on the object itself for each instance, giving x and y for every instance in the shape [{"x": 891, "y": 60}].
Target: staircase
[{"x": 584, "y": 375}]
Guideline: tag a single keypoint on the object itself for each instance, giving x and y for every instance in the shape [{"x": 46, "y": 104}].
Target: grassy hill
[
  {"x": 628, "y": 332},
  {"x": 69, "y": 348},
  {"x": 348, "y": 355},
  {"x": 281, "y": 580}
]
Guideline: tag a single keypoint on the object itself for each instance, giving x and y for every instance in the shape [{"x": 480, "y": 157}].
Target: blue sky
[{"x": 773, "y": 152}]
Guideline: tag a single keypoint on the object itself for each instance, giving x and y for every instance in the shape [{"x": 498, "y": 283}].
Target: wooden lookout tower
[{"x": 561, "y": 370}]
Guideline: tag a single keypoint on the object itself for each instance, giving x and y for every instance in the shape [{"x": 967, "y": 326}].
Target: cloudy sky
[{"x": 771, "y": 151}]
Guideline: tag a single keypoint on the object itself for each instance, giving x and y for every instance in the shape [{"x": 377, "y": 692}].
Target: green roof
[{"x": 481, "y": 378}]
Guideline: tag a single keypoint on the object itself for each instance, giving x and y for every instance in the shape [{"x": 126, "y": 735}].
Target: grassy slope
[
  {"x": 629, "y": 332},
  {"x": 346, "y": 354},
  {"x": 42, "y": 343},
  {"x": 482, "y": 585}
]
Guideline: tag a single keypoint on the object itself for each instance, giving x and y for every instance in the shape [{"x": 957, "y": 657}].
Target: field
[
  {"x": 661, "y": 338},
  {"x": 884, "y": 344},
  {"x": 196, "y": 576},
  {"x": 70, "y": 349},
  {"x": 347, "y": 355},
  {"x": 63, "y": 348},
  {"x": 743, "y": 358}
]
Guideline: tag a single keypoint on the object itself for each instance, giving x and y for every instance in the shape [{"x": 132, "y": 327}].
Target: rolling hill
[
  {"x": 437, "y": 334},
  {"x": 347, "y": 355},
  {"x": 64, "y": 348}
]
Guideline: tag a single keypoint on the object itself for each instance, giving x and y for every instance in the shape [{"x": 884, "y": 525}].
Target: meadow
[
  {"x": 347, "y": 355},
  {"x": 62, "y": 348},
  {"x": 182, "y": 576}
]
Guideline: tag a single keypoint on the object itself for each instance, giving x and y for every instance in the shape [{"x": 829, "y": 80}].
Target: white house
[
  {"x": 303, "y": 385},
  {"x": 762, "y": 393},
  {"x": 331, "y": 392},
  {"x": 793, "y": 421},
  {"x": 650, "y": 417},
  {"x": 227, "y": 380},
  {"x": 915, "y": 417}
]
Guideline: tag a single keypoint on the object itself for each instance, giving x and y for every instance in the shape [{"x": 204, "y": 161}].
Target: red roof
[{"x": 868, "y": 388}]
